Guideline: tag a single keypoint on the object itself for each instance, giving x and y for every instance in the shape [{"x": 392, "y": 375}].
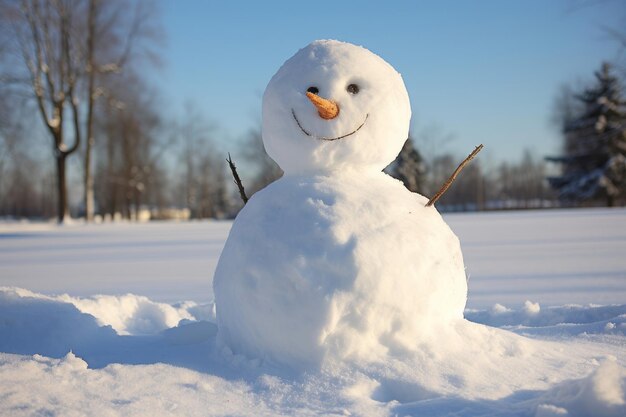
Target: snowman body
[{"x": 336, "y": 259}]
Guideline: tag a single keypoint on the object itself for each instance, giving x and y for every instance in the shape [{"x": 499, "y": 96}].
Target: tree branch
[
  {"x": 456, "y": 172},
  {"x": 233, "y": 168},
  {"x": 35, "y": 71},
  {"x": 65, "y": 39},
  {"x": 112, "y": 67},
  {"x": 47, "y": 52}
]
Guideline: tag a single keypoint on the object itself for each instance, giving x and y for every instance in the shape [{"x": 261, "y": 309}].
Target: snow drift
[{"x": 186, "y": 372}]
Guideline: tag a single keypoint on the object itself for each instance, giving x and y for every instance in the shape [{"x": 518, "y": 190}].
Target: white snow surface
[
  {"x": 550, "y": 286},
  {"x": 337, "y": 293},
  {"x": 553, "y": 257}
]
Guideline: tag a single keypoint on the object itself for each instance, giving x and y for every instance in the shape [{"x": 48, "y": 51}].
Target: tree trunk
[
  {"x": 89, "y": 197},
  {"x": 113, "y": 202},
  {"x": 137, "y": 204},
  {"x": 610, "y": 201},
  {"x": 62, "y": 207},
  {"x": 91, "y": 23}
]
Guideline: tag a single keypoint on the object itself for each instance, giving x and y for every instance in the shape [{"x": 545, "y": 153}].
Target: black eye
[
  {"x": 352, "y": 89},
  {"x": 313, "y": 90}
]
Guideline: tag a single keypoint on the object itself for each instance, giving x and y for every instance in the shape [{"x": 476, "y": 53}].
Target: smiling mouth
[{"x": 293, "y": 112}]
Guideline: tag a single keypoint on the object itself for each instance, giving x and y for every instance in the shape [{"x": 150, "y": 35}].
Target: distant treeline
[{"x": 83, "y": 132}]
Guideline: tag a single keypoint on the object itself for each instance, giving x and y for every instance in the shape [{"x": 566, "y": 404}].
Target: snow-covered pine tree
[
  {"x": 409, "y": 167},
  {"x": 594, "y": 164}
]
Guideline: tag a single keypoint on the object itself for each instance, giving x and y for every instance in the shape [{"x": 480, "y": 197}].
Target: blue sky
[{"x": 482, "y": 71}]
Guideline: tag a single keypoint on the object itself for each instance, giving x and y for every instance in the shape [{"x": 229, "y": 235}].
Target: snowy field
[
  {"x": 551, "y": 257},
  {"x": 118, "y": 320}
]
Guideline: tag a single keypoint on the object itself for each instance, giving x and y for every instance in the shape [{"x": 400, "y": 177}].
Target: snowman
[{"x": 336, "y": 259}]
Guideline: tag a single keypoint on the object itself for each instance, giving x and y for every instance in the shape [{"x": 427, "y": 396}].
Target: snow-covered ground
[
  {"x": 118, "y": 320},
  {"x": 552, "y": 257}
]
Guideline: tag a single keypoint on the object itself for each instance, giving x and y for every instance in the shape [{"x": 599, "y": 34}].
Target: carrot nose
[{"x": 327, "y": 109}]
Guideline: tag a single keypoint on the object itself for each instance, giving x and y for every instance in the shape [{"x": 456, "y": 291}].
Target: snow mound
[
  {"x": 32, "y": 323},
  {"x": 127, "y": 314},
  {"x": 65, "y": 387},
  {"x": 568, "y": 319},
  {"x": 601, "y": 394},
  {"x": 481, "y": 371}
]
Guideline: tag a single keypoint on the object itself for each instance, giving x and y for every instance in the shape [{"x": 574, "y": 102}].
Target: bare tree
[
  {"x": 213, "y": 197},
  {"x": 131, "y": 173},
  {"x": 45, "y": 38},
  {"x": 113, "y": 38},
  {"x": 468, "y": 190},
  {"x": 61, "y": 48},
  {"x": 22, "y": 173},
  {"x": 202, "y": 176},
  {"x": 520, "y": 184},
  {"x": 193, "y": 135}
]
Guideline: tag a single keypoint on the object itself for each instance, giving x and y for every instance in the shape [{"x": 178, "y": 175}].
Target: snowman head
[{"x": 335, "y": 106}]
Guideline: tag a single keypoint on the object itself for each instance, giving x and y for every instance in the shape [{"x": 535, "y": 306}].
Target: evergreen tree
[
  {"x": 594, "y": 164},
  {"x": 409, "y": 167}
]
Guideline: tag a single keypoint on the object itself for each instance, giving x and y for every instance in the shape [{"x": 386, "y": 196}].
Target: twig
[
  {"x": 233, "y": 168},
  {"x": 450, "y": 180}
]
